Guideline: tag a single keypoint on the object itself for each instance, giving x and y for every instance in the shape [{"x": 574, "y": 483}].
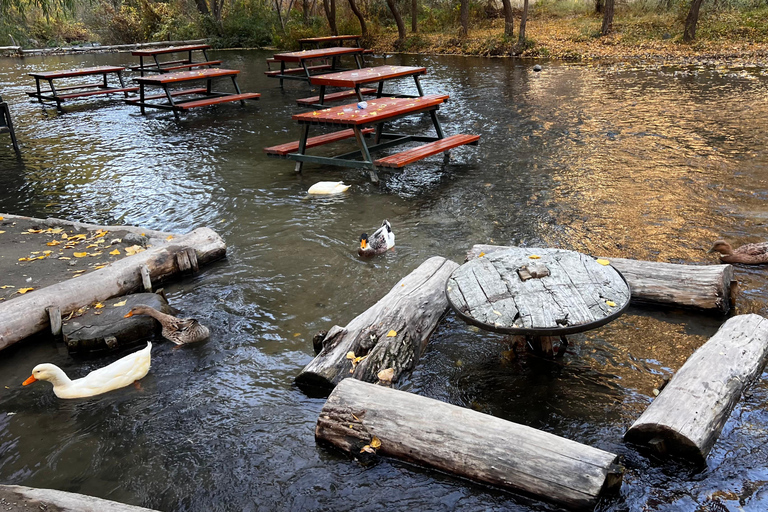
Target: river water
[{"x": 646, "y": 163}]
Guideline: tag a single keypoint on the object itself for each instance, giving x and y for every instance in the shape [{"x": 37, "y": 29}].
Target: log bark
[
  {"x": 702, "y": 287},
  {"x": 466, "y": 443},
  {"x": 59, "y": 501},
  {"x": 688, "y": 415},
  {"x": 26, "y": 315},
  {"x": 412, "y": 309}
]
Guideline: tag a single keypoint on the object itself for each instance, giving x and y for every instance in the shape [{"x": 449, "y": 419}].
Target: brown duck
[
  {"x": 179, "y": 330},
  {"x": 750, "y": 254}
]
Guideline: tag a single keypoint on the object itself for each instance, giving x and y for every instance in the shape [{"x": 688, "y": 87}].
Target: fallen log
[
  {"x": 689, "y": 413},
  {"x": 390, "y": 336},
  {"x": 703, "y": 287},
  {"x": 30, "y": 498},
  {"x": 360, "y": 417},
  {"x": 27, "y": 314}
]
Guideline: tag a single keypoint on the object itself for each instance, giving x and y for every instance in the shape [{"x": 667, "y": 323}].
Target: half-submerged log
[
  {"x": 703, "y": 287},
  {"x": 361, "y": 416},
  {"x": 18, "y": 497},
  {"x": 688, "y": 415},
  {"x": 391, "y": 335},
  {"x": 26, "y": 315}
]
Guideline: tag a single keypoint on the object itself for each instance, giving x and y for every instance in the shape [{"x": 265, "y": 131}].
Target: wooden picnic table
[
  {"x": 317, "y": 41},
  {"x": 304, "y": 57},
  {"x": 172, "y": 65},
  {"x": 537, "y": 292},
  {"x": 354, "y": 79},
  {"x": 209, "y": 96},
  {"x": 357, "y": 123},
  {"x": 80, "y": 90}
]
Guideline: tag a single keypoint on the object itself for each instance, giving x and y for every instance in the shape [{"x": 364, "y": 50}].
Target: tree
[
  {"x": 280, "y": 17},
  {"x": 398, "y": 19},
  {"x": 414, "y": 14},
  {"x": 689, "y": 34},
  {"x": 47, "y": 6},
  {"x": 330, "y": 12},
  {"x": 523, "y": 21},
  {"x": 607, "y": 27},
  {"x": 360, "y": 17},
  {"x": 509, "y": 18},
  {"x": 464, "y": 17}
]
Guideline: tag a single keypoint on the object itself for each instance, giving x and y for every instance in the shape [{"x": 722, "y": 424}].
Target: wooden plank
[
  {"x": 341, "y": 95},
  {"x": 76, "y": 72},
  {"x": 467, "y": 443},
  {"x": 319, "y": 140},
  {"x": 218, "y": 99},
  {"x": 152, "y": 65},
  {"x": 419, "y": 153},
  {"x": 702, "y": 287},
  {"x": 183, "y": 92},
  {"x": 294, "y": 71},
  {"x": 690, "y": 412},
  {"x": 378, "y": 109},
  {"x": 95, "y": 93},
  {"x": 190, "y": 65},
  {"x": 327, "y": 39},
  {"x": 316, "y": 54},
  {"x": 185, "y": 76},
  {"x": 170, "y": 49},
  {"x": 412, "y": 309},
  {"x": 366, "y": 75}
]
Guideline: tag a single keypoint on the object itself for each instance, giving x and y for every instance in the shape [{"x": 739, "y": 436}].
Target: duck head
[
  {"x": 49, "y": 372},
  {"x": 722, "y": 247},
  {"x": 139, "y": 310},
  {"x": 364, "y": 241}
]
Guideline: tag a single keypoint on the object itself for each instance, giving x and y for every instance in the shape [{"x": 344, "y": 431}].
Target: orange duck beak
[
  {"x": 128, "y": 314},
  {"x": 29, "y": 381}
]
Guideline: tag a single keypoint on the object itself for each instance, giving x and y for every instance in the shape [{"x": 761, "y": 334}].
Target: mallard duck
[
  {"x": 119, "y": 374},
  {"x": 751, "y": 254},
  {"x": 179, "y": 330},
  {"x": 379, "y": 242},
  {"x": 327, "y": 187}
]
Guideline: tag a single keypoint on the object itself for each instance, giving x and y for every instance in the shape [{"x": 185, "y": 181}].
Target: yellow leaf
[
  {"x": 55, "y": 230},
  {"x": 23, "y": 259},
  {"x": 610, "y": 303},
  {"x": 169, "y": 237},
  {"x": 296, "y": 334},
  {"x": 47, "y": 252},
  {"x": 97, "y": 253},
  {"x": 603, "y": 262},
  {"x": 375, "y": 442},
  {"x": 118, "y": 304},
  {"x": 6, "y": 286},
  {"x": 534, "y": 257},
  {"x": 101, "y": 232},
  {"x": 78, "y": 237},
  {"x": 97, "y": 267},
  {"x": 64, "y": 258},
  {"x": 35, "y": 252},
  {"x": 79, "y": 271},
  {"x": 98, "y": 305},
  {"x": 481, "y": 255},
  {"x": 386, "y": 375},
  {"x": 53, "y": 242},
  {"x": 34, "y": 230},
  {"x": 2, "y": 218},
  {"x": 115, "y": 252},
  {"x": 115, "y": 241},
  {"x": 24, "y": 290},
  {"x": 350, "y": 355},
  {"x": 1, "y": 232},
  {"x": 91, "y": 246},
  {"x": 367, "y": 448},
  {"x": 130, "y": 251},
  {"x": 80, "y": 254},
  {"x": 391, "y": 334}
]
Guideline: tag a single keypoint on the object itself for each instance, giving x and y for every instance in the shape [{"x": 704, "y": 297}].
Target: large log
[
  {"x": 688, "y": 415},
  {"x": 17, "y": 497},
  {"x": 391, "y": 335},
  {"x": 26, "y": 315},
  {"x": 467, "y": 443},
  {"x": 703, "y": 287}
]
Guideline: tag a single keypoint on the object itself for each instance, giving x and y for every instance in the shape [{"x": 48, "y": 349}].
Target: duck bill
[
  {"x": 29, "y": 381},
  {"x": 362, "y": 244},
  {"x": 128, "y": 314}
]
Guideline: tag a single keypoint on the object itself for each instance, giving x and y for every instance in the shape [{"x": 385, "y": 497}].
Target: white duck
[
  {"x": 119, "y": 374},
  {"x": 327, "y": 188},
  {"x": 379, "y": 242}
]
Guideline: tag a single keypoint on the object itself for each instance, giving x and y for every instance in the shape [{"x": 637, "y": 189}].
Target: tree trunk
[
  {"x": 330, "y": 12},
  {"x": 688, "y": 415},
  {"x": 360, "y": 18},
  {"x": 509, "y": 18},
  {"x": 598, "y": 6},
  {"x": 689, "y": 33},
  {"x": 305, "y": 12},
  {"x": 414, "y": 15},
  {"x": 398, "y": 19},
  {"x": 464, "y": 17},
  {"x": 607, "y": 27},
  {"x": 202, "y": 7},
  {"x": 523, "y": 21},
  {"x": 466, "y": 443}
]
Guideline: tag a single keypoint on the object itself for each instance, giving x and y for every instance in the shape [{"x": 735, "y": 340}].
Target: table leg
[
  {"x": 380, "y": 90},
  {"x": 55, "y": 96},
  {"x": 208, "y": 86},
  {"x": 302, "y": 145},
  {"x": 39, "y": 92},
  {"x": 122, "y": 83},
  {"x": 359, "y": 61},
  {"x": 322, "y": 94},
  {"x": 282, "y": 72},
  {"x": 157, "y": 63},
  {"x": 436, "y": 122},
  {"x": 141, "y": 97},
  {"x": 359, "y": 94},
  {"x": 418, "y": 85},
  {"x": 237, "y": 88},
  {"x": 141, "y": 65},
  {"x": 379, "y": 131},
  {"x": 366, "y": 154},
  {"x": 172, "y": 103},
  {"x": 104, "y": 81}
]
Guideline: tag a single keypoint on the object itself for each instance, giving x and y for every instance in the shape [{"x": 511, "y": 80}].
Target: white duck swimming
[
  {"x": 379, "y": 242},
  {"x": 327, "y": 188},
  {"x": 119, "y": 374}
]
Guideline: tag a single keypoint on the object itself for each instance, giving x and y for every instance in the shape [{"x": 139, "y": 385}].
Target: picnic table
[
  {"x": 168, "y": 66},
  {"x": 79, "y": 90},
  {"x": 537, "y": 292},
  {"x": 6, "y": 124},
  {"x": 316, "y": 42},
  {"x": 358, "y": 123},
  {"x": 209, "y": 96},
  {"x": 354, "y": 79},
  {"x": 303, "y": 59}
]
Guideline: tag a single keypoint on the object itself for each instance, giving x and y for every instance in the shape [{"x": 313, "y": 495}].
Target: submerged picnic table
[
  {"x": 80, "y": 90},
  {"x": 354, "y": 79},
  {"x": 537, "y": 292},
  {"x": 172, "y": 65},
  {"x": 209, "y": 96},
  {"x": 360, "y": 122},
  {"x": 304, "y": 57},
  {"x": 316, "y": 42}
]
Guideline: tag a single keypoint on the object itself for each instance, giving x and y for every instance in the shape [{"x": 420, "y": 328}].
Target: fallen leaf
[
  {"x": 1, "y": 232},
  {"x": 296, "y": 334},
  {"x": 53, "y": 242},
  {"x": 610, "y": 303},
  {"x": 97, "y": 253},
  {"x": 98, "y": 305},
  {"x": 603, "y": 262},
  {"x": 23, "y": 259},
  {"x": 35, "y": 252},
  {"x": 115, "y": 241},
  {"x": 6, "y": 286},
  {"x": 367, "y": 448},
  {"x": 80, "y": 254},
  {"x": 24, "y": 290},
  {"x": 47, "y": 252},
  {"x": 91, "y": 246},
  {"x": 350, "y": 355},
  {"x": 115, "y": 252},
  {"x": 169, "y": 237},
  {"x": 64, "y": 258},
  {"x": 101, "y": 232},
  {"x": 130, "y": 251},
  {"x": 55, "y": 230},
  {"x": 534, "y": 257},
  {"x": 97, "y": 267},
  {"x": 391, "y": 334},
  {"x": 386, "y": 375},
  {"x": 481, "y": 255},
  {"x": 118, "y": 304},
  {"x": 375, "y": 442},
  {"x": 34, "y": 230}
]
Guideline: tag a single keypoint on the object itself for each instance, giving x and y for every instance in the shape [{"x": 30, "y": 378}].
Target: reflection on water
[{"x": 614, "y": 162}]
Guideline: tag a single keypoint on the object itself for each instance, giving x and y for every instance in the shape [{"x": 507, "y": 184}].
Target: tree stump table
[{"x": 539, "y": 293}]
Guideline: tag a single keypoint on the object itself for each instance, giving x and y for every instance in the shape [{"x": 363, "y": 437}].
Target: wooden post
[
  {"x": 392, "y": 333},
  {"x": 703, "y": 287},
  {"x": 54, "y": 317},
  {"x": 146, "y": 278},
  {"x": 689, "y": 413},
  {"x": 466, "y": 443}
]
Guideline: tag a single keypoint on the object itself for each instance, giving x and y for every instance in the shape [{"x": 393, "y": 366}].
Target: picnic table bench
[
  {"x": 354, "y": 79},
  {"x": 359, "y": 122},
  {"x": 6, "y": 125},
  {"x": 303, "y": 59},
  {"x": 169, "y": 66},
  {"x": 80, "y": 90},
  {"x": 209, "y": 96}
]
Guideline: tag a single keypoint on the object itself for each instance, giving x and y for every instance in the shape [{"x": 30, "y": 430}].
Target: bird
[
  {"x": 178, "y": 330},
  {"x": 119, "y": 374},
  {"x": 327, "y": 188},
  {"x": 750, "y": 254},
  {"x": 379, "y": 242}
]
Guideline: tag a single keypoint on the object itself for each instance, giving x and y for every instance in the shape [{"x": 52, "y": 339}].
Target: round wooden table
[{"x": 537, "y": 292}]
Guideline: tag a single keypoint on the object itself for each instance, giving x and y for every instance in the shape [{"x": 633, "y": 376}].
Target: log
[
  {"x": 391, "y": 334},
  {"x": 689, "y": 413},
  {"x": 466, "y": 443},
  {"x": 701, "y": 287},
  {"x": 26, "y": 315},
  {"x": 29, "y": 498}
]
